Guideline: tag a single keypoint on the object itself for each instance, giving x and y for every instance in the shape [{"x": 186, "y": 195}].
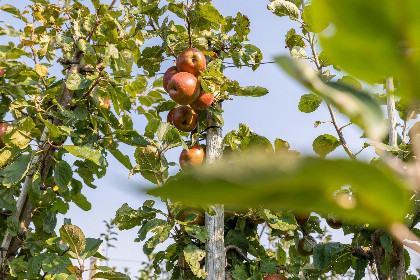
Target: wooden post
[
  {"x": 391, "y": 112},
  {"x": 398, "y": 248},
  {"x": 215, "y": 245}
]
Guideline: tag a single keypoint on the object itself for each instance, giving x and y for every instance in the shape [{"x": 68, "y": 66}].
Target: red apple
[
  {"x": 105, "y": 103},
  {"x": 203, "y": 101},
  {"x": 275, "y": 277},
  {"x": 183, "y": 88},
  {"x": 3, "y": 129},
  {"x": 191, "y": 60},
  {"x": 184, "y": 118},
  {"x": 198, "y": 220},
  {"x": 170, "y": 116},
  {"x": 168, "y": 75},
  {"x": 1, "y": 72},
  {"x": 194, "y": 156}
]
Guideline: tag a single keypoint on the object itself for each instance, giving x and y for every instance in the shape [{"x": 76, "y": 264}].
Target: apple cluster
[{"x": 181, "y": 82}]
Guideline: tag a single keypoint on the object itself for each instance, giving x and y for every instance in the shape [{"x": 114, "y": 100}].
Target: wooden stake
[{"x": 215, "y": 246}]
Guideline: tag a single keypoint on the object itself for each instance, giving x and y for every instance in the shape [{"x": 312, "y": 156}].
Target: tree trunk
[{"x": 215, "y": 247}]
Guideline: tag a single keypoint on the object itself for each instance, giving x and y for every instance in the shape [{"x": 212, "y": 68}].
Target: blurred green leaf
[
  {"x": 359, "y": 106},
  {"x": 285, "y": 182},
  {"x": 348, "y": 41},
  {"x": 110, "y": 274},
  {"x": 14, "y": 172}
]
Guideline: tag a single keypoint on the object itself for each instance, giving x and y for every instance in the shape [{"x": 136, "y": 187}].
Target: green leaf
[
  {"x": 10, "y": 9},
  {"x": 123, "y": 159},
  {"x": 81, "y": 201},
  {"x": 92, "y": 246},
  {"x": 359, "y": 271},
  {"x": 286, "y": 182},
  {"x": 21, "y": 135},
  {"x": 127, "y": 218},
  {"x": 209, "y": 12},
  {"x": 50, "y": 221},
  {"x": 77, "y": 81},
  {"x": 251, "y": 91},
  {"x": 386, "y": 242},
  {"x": 52, "y": 129},
  {"x": 14, "y": 172},
  {"x": 193, "y": 255},
  {"x": 198, "y": 232},
  {"x": 281, "y": 255},
  {"x": 13, "y": 225},
  {"x": 73, "y": 236},
  {"x": 324, "y": 254},
  {"x": 309, "y": 103},
  {"x": 325, "y": 144},
  {"x": 87, "y": 152},
  {"x": 281, "y": 221},
  {"x": 284, "y": 8},
  {"x": 361, "y": 107},
  {"x": 149, "y": 164},
  {"x": 113, "y": 275},
  {"x": 63, "y": 175}
]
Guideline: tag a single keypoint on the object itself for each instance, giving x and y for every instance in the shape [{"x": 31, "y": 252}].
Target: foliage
[{"x": 98, "y": 48}]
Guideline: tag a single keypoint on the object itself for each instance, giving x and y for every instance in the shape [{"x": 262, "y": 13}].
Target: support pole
[{"x": 215, "y": 247}]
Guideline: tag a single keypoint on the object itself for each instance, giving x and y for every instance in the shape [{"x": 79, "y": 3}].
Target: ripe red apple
[
  {"x": 191, "y": 60},
  {"x": 194, "y": 156},
  {"x": 203, "y": 101},
  {"x": 3, "y": 129},
  {"x": 334, "y": 223},
  {"x": 105, "y": 103},
  {"x": 301, "y": 246},
  {"x": 198, "y": 220},
  {"x": 275, "y": 277},
  {"x": 170, "y": 116},
  {"x": 183, "y": 88},
  {"x": 184, "y": 118},
  {"x": 1, "y": 72},
  {"x": 168, "y": 75}
]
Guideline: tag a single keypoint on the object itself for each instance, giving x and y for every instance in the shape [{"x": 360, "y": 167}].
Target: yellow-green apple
[{"x": 191, "y": 60}]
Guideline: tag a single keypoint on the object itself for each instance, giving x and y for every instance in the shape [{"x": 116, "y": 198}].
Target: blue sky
[{"x": 275, "y": 115}]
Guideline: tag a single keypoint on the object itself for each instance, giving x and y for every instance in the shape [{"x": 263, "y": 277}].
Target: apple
[
  {"x": 170, "y": 116},
  {"x": 3, "y": 129},
  {"x": 203, "y": 101},
  {"x": 104, "y": 103},
  {"x": 302, "y": 218},
  {"x": 168, "y": 75},
  {"x": 305, "y": 246},
  {"x": 275, "y": 277},
  {"x": 191, "y": 60},
  {"x": 198, "y": 220},
  {"x": 184, "y": 118},
  {"x": 194, "y": 156},
  {"x": 1, "y": 72},
  {"x": 334, "y": 223},
  {"x": 183, "y": 88}
]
